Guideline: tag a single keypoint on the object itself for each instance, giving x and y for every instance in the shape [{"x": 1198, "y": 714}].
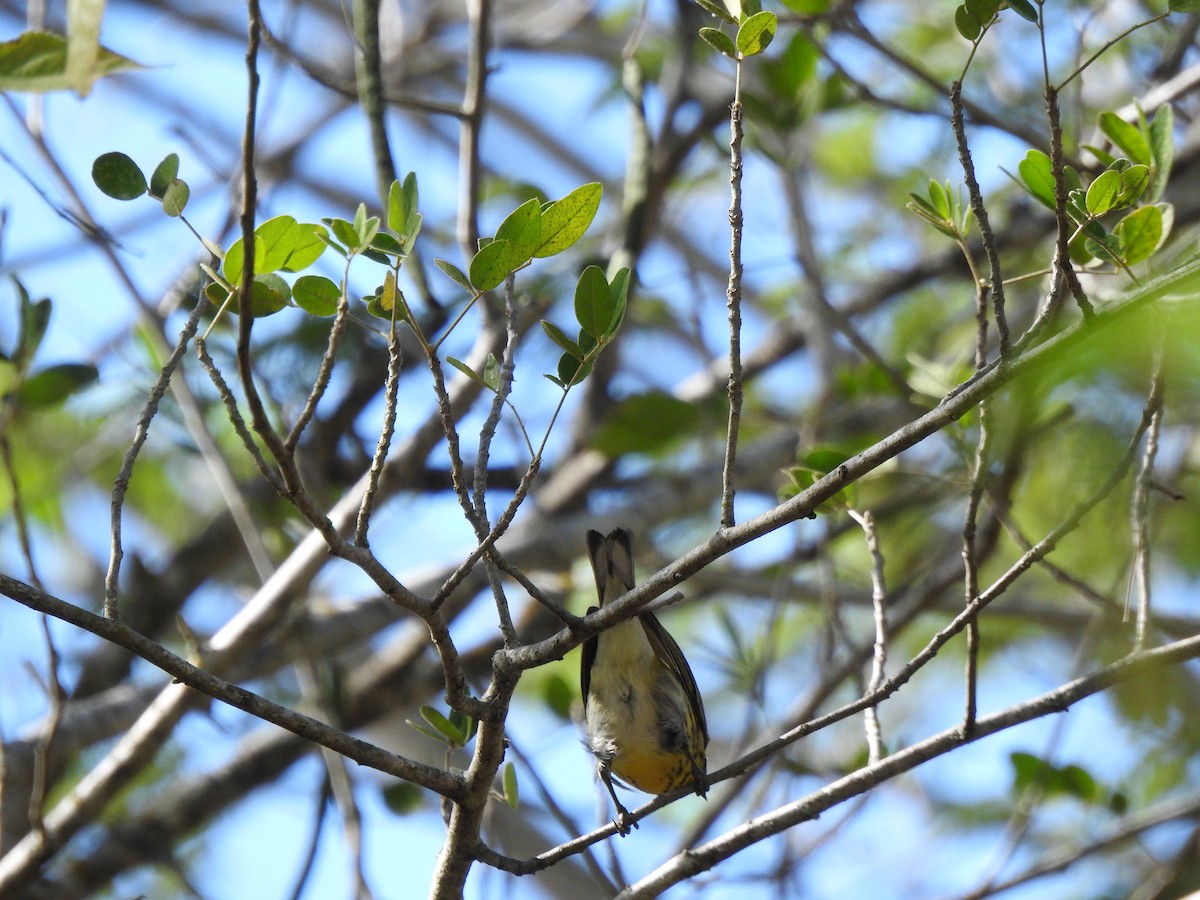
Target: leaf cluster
[{"x": 1134, "y": 181}]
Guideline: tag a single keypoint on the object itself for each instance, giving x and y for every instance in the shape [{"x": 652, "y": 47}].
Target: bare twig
[
  {"x": 386, "y": 431},
  {"x": 979, "y": 210},
  {"x": 141, "y": 432},
  {"x": 879, "y": 655},
  {"x": 733, "y": 297},
  {"x": 1139, "y": 512}
]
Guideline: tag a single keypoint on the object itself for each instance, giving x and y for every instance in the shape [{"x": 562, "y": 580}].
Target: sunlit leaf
[
  {"x": 523, "y": 230},
  {"x": 1037, "y": 173},
  {"x": 1102, "y": 194},
  {"x": 38, "y": 61},
  {"x": 1127, "y": 138},
  {"x": 1139, "y": 234},
  {"x": 719, "y": 41},
  {"x": 756, "y": 33},
  {"x": 491, "y": 264},
  {"x": 565, "y": 221},
  {"x": 175, "y": 199}
]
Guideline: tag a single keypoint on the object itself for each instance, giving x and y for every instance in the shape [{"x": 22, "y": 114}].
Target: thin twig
[
  {"x": 1141, "y": 505},
  {"x": 183, "y": 672},
  {"x": 487, "y": 433},
  {"x": 879, "y": 654},
  {"x": 471, "y": 124},
  {"x": 391, "y": 392},
  {"x": 324, "y": 371},
  {"x": 140, "y": 434},
  {"x": 733, "y": 297},
  {"x": 314, "y": 842},
  {"x": 979, "y": 210}
]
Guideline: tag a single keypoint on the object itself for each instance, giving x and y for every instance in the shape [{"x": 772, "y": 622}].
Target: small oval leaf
[
  {"x": 118, "y": 176},
  {"x": 316, "y": 294},
  {"x": 756, "y": 33}
]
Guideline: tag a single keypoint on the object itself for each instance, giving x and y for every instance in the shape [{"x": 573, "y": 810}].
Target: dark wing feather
[
  {"x": 668, "y": 651},
  {"x": 585, "y": 666}
]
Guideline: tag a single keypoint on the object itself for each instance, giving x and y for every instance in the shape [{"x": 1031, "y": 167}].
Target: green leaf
[
  {"x": 442, "y": 725},
  {"x": 344, "y": 232},
  {"x": 1162, "y": 149},
  {"x": 269, "y": 294},
  {"x": 620, "y": 297},
  {"x": 1128, "y": 138},
  {"x": 383, "y": 243},
  {"x": 403, "y": 797},
  {"x": 164, "y": 174},
  {"x": 402, "y": 215},
  {"x": 807, "y": 7},
  {"x": 309, "y": 243},
  {"x": 1028, "y": 770},
  {"x": 559, "y": 337},
  {"x": 792, "y": 69},
  {"x": 316, "y": 295},
  {"x": 1104, "y": 156},
  {"x": 365, "y": 227},
  {"x": 756, "y": 33},
  {"x": 571, "y": 371},
  {"x": 38, "y": 61},
  {"x": 1104, "y": 246},
  {"x": 175, "y": 199},
  {"x": 1139, "y": 234},
  {"x": 1102, "y": 194},
  {"x": 454, "y": 273},
  {"x": 565, "y": 221},
  {"x": 645, "y": 423},
  {"x": 277, "y": 237},
  {"x": 491, "y": 372},
  {"x": 523, "y": 230},
  {"x": 719, "y": 41},
  {"x": 1037, "y": 173},
  {"x": 1024, "y": 9},
  {"x": 468, "y": 371},
  {"x": 511, "y": 795},
  {"x": 594, "y": 305},
  {"x": 1078, "y": 782},
  {"x": 717, "y": 10},
  {"x": 491, "y": 264},
  {"x": 35, "y": 319},
  {"x": 984, "y": 11},
  {"x": 939, "y": 198},
  {"x": 1184, "y": 6},
  {"x": 968, "y": 26},
  {"x": 54, "y": 384},
  {"x": 235, "y": 259},
  {"x": 1133, "y": 184},
  {"x": 118, "y": 176}
]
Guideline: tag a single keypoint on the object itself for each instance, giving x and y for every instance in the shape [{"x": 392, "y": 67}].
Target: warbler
[{"x": 645, "y": 717}]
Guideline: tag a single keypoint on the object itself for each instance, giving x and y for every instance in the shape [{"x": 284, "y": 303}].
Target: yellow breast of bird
[{"x": 629, "y": 694}]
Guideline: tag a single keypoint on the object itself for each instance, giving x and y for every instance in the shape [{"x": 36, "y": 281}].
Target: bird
[{"x": 643, "y": 710}]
